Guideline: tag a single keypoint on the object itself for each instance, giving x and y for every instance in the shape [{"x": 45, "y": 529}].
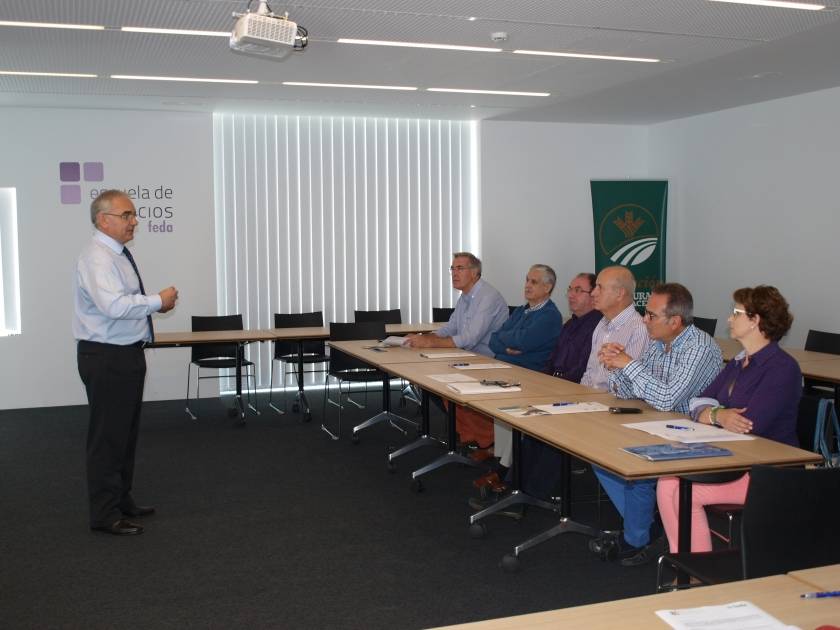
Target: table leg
[
  {"x": 386, "y": 415},
  {"x": 684, "y": 525},
  {"x": 451, "y": 457},
  {"x": 240, "y": 352},
  {"x": 301, "y": 394},
  {"x": 425, "y": 438}
]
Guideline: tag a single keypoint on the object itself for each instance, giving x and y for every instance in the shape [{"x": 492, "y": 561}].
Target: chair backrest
[
  {"x": 706, "y": 324},
  {"x": 511, "y": 309},
  {"x": 394, "y": 316},
  {"x": 441, "y": 313},
  {"x": 340, "y": 361},
  {"x": 819, "y": 341},
  {"x": 298, "y": 320},
  {"x": 215, "y": 322},
  {"x": 791, "y": 520}
]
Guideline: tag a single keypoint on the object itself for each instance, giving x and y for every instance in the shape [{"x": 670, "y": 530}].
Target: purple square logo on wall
[{"x": 71, "y": 194}]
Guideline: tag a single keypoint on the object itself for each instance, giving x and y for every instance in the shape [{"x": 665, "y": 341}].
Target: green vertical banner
[{"x": 629, "y": 222}]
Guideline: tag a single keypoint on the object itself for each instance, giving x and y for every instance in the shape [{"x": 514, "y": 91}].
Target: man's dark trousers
[{"x": 114, "y": 377}]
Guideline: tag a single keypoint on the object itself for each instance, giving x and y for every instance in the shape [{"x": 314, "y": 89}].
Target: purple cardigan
[{"x": 769, "y": 387}]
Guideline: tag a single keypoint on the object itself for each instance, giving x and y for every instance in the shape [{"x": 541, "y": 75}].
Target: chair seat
[
  {"x": 710, "y": 567},
  {"x": 725, "y": 508},
  {"x": 220, "y": 362},
  {"x": 358, "y": 376},
  {"x": 307, "y": 358}
]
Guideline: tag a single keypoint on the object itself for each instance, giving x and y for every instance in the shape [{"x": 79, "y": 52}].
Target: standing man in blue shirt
[
  {"x": 112, "y": 323},
  {"x": 480, "y": 311},
  {"x": 680, "y": 361}
]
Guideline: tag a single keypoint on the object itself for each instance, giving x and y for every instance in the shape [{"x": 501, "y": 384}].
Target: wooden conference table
[
  {"x": 778, "y": 595},
  {"x": 244, "y": 337},
  {"x": 595, "y": 437}
]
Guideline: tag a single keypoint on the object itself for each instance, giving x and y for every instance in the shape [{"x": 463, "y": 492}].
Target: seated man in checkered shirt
[{"x": 679, "y": 362}]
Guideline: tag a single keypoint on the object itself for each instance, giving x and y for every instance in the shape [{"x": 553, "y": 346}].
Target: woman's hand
[{"x": 732, "y": 420}]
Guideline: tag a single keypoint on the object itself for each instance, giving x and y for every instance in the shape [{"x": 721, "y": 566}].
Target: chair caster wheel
[
  {"x": 511, "y": 563},
  {"x": 392, "y": 467},
  {"x": 296, "y": 407},
  {"x": 354, "y": 439},
  {"x": 307, "y": 417},
  {"x": 478, "y": 530},
  {"x": 416, "y": 486}
]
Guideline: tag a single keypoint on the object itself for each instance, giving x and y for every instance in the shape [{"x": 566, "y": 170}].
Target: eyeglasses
[
  {"x": 125, "y": 216},
  {"x": 460, "y": 267},
  {"x": 577, "y": 290},
  {"x": 738, "y": 311},
  {"x": 653, "y": 316}
]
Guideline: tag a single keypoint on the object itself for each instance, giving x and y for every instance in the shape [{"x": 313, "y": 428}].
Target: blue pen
[
  {"x": 561, "y": 404},
  {"x": 459, "y": 365},
  {"x": 678, "y": 427},
  {"x": 820, "y": 594}
]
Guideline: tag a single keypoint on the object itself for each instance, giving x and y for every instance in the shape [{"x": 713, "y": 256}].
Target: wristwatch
[{"x": 713, "y": 416}]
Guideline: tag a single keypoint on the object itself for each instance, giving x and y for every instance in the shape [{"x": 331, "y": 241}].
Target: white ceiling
[{"x": 715, "y": 55}]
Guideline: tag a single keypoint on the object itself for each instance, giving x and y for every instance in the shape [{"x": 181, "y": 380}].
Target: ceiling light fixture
[
  {"x": 82, "y": 27},
  {"x": 502, "y": 92},
  {"x": 74, "y": 75},
  {"x": 549, "y": 53},
  {"x": 350, "y": 85},
  {"x": 778, "y": 4},
  {"x": 378, "y": 42},
  {"x": 188, "y": 79},
  {"x": 174, "y": 31}
]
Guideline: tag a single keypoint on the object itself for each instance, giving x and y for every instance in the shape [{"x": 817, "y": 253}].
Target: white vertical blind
[
  {"x": 9, "y": 270},
  {"x": 339, "y": 214}
]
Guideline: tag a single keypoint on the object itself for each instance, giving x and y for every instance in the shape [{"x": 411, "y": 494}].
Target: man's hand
[
  {"x": 513, "y": 351},
  {"x": 612, "y": 356},
  {"x": 417, "y": 341},
  {"x": 168, "y": 297}
]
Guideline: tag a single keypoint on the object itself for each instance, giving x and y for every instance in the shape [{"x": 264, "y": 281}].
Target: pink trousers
[{"x": 668, "y": 498}]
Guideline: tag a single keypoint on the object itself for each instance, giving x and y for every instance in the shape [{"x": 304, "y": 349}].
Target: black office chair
[
  {"x": 441, "y": 314},
  {"x": 217, "y": 356},
  {"x": 394, "y": 316},
  {"x": 286, "y": 352},
  {"x": 790, "y": 521},
  {"x": 346, "y": 369},
  {"x": 706, "y": 324},
  {"x": 815, "y": 390},
  {"x": 511, "y": 309}
]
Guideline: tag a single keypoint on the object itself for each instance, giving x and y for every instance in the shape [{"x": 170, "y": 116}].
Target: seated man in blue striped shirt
[{"x": 679, "y": 362}]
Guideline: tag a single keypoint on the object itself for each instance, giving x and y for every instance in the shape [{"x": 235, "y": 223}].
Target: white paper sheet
[
  {"x": 452, "y": 378},
  {"x": 691, "y": 431},
  {"x": 480, "y": 366},
  {"x": 392, "y": 340},
  {"x": 446, "y": 355},
  {"x": 732, "y": 616},
  {"x": 570, "y": 407}
]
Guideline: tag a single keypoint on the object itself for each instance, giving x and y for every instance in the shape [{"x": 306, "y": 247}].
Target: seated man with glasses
[
  {"x": 540, "y": 463},
  {"x": 480, "y": 311},
  {"x": 680, "y": 361}
]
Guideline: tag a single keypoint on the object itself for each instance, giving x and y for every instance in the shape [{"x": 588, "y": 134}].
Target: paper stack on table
[
  {"x": 478, "y": 388},
  {"x": 480, "y": 366},
  {"x": 733, "y": 616},
  {"x": 452, "y": 378},
  {"x": 522, "y": 411},
  {"x": 447, "y": 355}
]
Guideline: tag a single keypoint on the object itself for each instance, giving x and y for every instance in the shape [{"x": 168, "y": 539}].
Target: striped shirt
[
  {"x": 626, "y": 328},
  {"x": 667, "y": 380}
]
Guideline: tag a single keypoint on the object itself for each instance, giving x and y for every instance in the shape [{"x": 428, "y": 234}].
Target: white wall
[
  {"x": 754, "y": 200},
  {"x": 137, "y": 149},
  {"x": 536, "y": 204}
]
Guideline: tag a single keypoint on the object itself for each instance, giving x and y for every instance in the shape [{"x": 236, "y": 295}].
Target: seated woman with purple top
[{"x": 757, "y": 392}]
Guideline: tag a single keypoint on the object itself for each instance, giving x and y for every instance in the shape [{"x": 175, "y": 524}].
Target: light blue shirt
[
  {"x": 109, "y": 307},
  {"x": 477, "y": 315}
]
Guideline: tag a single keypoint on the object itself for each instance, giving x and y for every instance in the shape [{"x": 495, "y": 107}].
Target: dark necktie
[{"x": 142, "y": 290}]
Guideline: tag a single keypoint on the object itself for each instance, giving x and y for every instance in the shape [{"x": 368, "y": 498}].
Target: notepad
[
  {"x": 571, "y": 407},
  {"x": 446, "y": 355},
  {"x": 478, "y": 388},
  {"x": 733, "y": 616},
  {"x": 668, "y": 452},
  {"x": 452, "y": 378}
]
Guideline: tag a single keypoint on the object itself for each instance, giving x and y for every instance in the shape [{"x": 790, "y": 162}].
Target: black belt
[{"x": 136, "y": 344}]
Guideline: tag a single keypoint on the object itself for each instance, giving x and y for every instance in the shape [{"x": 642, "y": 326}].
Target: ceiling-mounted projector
[{"x": 265, "y": 34}]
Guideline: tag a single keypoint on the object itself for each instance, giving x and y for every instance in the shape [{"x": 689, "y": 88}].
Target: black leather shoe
[
  {"x": 139, "y": 510},
  {"x": 121, "y": 527}
]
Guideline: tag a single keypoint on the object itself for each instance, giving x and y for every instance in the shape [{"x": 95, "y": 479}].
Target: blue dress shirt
[{"x": 477, "y": 315}]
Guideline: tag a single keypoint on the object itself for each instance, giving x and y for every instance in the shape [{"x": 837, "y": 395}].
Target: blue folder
[{"x": 667, "y": 452}]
